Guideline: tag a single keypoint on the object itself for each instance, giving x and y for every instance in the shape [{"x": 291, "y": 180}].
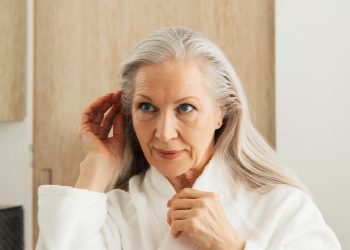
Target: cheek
[
  {"x": 192, "y": 121},
  {"x": 143, "y": 129},
  {"x": 198, "y": 121},
  {"x": 198, "y": 130},
  {"x": 198, "y": 136}
]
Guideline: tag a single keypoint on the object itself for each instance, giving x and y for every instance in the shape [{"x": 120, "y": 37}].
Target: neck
[{"x": 187, "y": 179}]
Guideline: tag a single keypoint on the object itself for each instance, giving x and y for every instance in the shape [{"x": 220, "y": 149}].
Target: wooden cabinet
[
  {"x": 79, "y": 46},
  {"x": 13, "y": 30}
]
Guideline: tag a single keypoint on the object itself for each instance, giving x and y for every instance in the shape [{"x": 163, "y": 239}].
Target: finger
[
  {"x": 98, "y": 114},
  {"x": 116, "y": 96},
  {"x": 109, "y": 100},
  {"x": 180, "y": 215},
  {"x": 108, "y": 120},
  {"x": 111, "y": 96},
  {"x": 191, "y": 193},
  {"x": 93, "y": 128},
  {"x": 97, "y": 117},
  {"x": 188, "y": 193},
  {"x": 92, "y": 111},
  {"x": 177, "y": 227},
  {"x": 101, "y": 104},
  {"x": 118, "y": 125},
  {"x": 183, "y": 204},
  {"x": 106, "y": 105},
  {"x": 87, "y": 114}
]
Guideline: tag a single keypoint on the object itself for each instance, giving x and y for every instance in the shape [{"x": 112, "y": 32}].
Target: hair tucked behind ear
[{"x": 251, "y": 159}]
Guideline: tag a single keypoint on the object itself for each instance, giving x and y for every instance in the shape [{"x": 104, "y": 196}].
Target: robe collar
[
  {"x": 214, "y": 178},
  {"x": 155, "y": 190}
]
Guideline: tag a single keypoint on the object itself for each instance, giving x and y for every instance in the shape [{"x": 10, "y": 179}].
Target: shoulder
[
  {"x": 264, "y": 211},
  {"x": 295, "y": 207},
  {"x": 289, "y": 196},
  {"x": 300, "y": 221},
  {"x": 293, "y": 204},
  {"x": 281, "y": 205},
  {"x": 281, "y": 195},
  {"x": 286, "y": 216}
]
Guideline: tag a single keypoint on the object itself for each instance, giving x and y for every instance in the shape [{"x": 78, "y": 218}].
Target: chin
[{"x": 172, "y": 169}]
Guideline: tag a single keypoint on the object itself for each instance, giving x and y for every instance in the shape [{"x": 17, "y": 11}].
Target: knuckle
[
  {"x": 201, "y": 203},
  {"x": 196, "y": 212},
  {"x": 173, "y": 215},
  {"x": 175, "y": 203},
  {"x": 191, "y": 226},
  {"x": 174, "y": 226},
  {"x": 185, "y": 191}
]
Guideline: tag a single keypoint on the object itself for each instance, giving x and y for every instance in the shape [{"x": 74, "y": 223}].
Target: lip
[{"x": 169, "y": 155}]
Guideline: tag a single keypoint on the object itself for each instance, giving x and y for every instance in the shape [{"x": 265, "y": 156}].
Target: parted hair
[{"x": 250, "y": 158}]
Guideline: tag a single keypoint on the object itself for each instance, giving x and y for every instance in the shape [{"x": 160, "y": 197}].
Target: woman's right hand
[{"x": 103, "y": 154}]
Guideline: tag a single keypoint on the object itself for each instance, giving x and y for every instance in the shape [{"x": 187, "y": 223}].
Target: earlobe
[
  {"x": 220, "y": 120},
  {"x": 219, "y": 124}
]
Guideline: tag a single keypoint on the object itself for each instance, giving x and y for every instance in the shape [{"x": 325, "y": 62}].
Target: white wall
[
  {"x": 313, "y": 101},
  {"x": 16, "y": 157}
]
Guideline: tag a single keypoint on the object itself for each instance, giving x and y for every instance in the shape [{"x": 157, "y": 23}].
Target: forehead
[{"x": 171, "y": 75}]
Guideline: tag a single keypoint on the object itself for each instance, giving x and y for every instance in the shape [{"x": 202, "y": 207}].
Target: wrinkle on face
[{"x": 168, "y": 128}]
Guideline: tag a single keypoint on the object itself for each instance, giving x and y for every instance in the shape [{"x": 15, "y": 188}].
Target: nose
[{"x": 166, "y": 128}]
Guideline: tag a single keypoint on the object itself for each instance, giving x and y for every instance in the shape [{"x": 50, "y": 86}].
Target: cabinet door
[
  {"x": 79, "y": 46},
  {"x": 13, "y": 47}
]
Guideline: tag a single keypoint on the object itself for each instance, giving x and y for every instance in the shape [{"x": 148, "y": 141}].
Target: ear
[{"x": 219, "y": 119}]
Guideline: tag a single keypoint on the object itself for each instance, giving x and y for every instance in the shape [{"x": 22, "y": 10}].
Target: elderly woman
[{"x": 192, "y": 171}]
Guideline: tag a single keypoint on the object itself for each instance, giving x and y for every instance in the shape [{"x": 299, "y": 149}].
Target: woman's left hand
[{"x": 200, "y": 215}]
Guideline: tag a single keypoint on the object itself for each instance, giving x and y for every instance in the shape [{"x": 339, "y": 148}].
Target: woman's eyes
[
  {"x": 182, "y": 108},
  {"x": 185, "y": 107},
  {"x": 146, "y": 107}
]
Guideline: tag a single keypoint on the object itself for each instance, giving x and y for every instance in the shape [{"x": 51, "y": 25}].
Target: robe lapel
[{"x": 152, "y": 210}]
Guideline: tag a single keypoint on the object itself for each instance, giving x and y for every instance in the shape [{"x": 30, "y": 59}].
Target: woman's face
[{"x": 173, "y": 116}]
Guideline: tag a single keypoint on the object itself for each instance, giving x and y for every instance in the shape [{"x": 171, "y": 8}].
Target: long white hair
[{"x": 251, "y": 159}]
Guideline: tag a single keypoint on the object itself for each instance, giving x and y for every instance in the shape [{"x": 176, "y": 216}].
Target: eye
[
  {"x": 146, "y": 106},
  {"x": 185, "y": 108}
]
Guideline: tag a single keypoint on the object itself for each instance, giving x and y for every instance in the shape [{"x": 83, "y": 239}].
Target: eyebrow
[{"x": 182, "y": 99}]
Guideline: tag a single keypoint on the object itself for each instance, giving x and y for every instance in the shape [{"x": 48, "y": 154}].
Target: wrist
[
  {"x": 95, "y": 173},
  {"x": 89, "y": 183}
]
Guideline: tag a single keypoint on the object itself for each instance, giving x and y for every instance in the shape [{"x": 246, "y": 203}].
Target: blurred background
[{"x": 293, "y": 58}]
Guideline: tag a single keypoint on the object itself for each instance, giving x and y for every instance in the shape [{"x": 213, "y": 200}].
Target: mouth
[{"x": 169, "y": 155}]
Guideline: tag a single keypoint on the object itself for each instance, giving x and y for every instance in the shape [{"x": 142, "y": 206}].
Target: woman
[{"x": 192, "y": 171}]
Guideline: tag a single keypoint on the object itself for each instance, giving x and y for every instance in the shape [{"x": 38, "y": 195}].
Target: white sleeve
[{"x": 70, "y": 218}]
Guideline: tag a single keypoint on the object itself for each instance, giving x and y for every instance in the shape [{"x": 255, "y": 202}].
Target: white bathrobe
[{"x": 79, "y": 219}]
